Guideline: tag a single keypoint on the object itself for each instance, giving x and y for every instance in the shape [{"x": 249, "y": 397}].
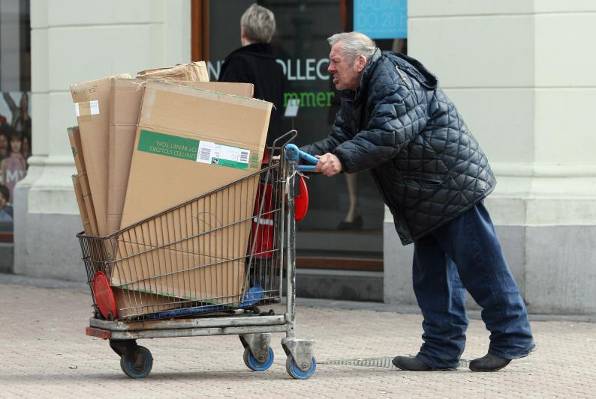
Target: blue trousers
[{"x": 465, "y": 254}]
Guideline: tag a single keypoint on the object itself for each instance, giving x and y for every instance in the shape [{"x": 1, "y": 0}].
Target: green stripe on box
[
  {"x": 167, "y": 145},
  {"x": 231, "y": 164}
]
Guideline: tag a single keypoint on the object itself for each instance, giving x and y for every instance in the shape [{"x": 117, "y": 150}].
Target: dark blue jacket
[{"x": 402, "y": 127}]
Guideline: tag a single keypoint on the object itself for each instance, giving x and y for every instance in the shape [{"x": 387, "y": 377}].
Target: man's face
[{"x": 345, "y": 72}]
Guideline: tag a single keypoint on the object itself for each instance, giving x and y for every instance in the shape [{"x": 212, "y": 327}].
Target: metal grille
[
  {"x": 218, "y": 252},
  {"x": 380, "y": 362}
]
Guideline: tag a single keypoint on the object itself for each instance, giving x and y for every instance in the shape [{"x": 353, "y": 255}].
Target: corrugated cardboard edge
[
  {"x": 74, "y": 136},
  {"x": 217, "y": 87},
  {"x": 81, "y": 203},
  {"x": 190, "y": 90}
]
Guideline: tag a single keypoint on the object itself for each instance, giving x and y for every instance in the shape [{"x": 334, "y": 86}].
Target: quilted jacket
[{"x": 402, "y": 127}]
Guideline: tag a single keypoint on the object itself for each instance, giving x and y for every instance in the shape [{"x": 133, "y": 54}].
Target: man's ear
[{"x": 360, "y": 63}]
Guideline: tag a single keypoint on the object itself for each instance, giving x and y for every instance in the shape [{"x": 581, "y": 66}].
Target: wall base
[
  {"x": 554, "y": 267},
  {"x": 45, "y": 244}
]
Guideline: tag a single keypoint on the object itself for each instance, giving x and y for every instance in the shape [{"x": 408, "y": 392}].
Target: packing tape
[{"x": 87, "y": 108}]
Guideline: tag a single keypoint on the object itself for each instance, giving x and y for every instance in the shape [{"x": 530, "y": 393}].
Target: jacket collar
[
  {"x": 367, "y": 72},
  {"x": 409, "y": 65},
  {"x": 258, "y": 49}
]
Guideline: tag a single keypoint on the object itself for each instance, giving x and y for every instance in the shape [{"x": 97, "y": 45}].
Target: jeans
[{"x": 465, "y": 254}]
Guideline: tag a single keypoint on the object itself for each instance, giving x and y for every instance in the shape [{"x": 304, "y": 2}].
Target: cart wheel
[
  {"x": 137, "y": 363},
  {"x": 252, "y": 362},
  {"x": 295, "y": 372}
]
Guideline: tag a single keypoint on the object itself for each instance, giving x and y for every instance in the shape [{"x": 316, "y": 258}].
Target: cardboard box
[
  {"x": 126, "y": 95},
  {"x": 74, "y": 136},
  {"x": 125, "y": 105},
  {"x": 193, "y": 252},
  {"x": 181, "y": 131},
  {"x": 92, "y": 108},
  {"x": 190, "y": 142}
]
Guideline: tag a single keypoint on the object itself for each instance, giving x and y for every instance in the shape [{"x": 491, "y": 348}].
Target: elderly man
[
  {"x": 395, "y": 121},
  {"x": 254, "y": 63}
]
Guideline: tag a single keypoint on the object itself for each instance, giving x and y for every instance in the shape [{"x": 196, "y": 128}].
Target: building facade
[
  {"x": 521, "y": 75},
  {"x": 518, "y": 70}
]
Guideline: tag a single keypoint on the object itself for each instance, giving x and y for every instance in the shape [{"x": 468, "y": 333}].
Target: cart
[{"x": 206, "y": 267}]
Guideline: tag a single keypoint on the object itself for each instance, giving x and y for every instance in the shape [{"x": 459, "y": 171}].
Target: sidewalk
[{"x": 45, "y": 353}]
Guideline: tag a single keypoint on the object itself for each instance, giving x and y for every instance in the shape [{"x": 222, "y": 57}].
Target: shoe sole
[
  {"x": 429, "y": 369},
  {"x": 477, "y": 370}
]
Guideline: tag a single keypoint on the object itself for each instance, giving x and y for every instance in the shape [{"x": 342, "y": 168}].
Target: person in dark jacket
[
  {"x": 254, "y": 63},
  {"x": 395, "y": 121}
]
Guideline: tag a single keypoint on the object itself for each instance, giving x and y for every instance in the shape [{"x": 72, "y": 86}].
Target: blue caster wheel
[
  {"x": 137, "y": 363},
  {"x": 295, "y": 372},
  {"x": 254, "y": 364}
]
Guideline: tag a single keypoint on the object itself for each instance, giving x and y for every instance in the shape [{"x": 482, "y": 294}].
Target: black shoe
[
  {"x": 414, "y": 363},
  {"x": 489, "y": 362},
  {"x": 356, "y": 224}
]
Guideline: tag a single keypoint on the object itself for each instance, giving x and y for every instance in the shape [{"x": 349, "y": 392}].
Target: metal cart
[{"x": 205, "y": 267}]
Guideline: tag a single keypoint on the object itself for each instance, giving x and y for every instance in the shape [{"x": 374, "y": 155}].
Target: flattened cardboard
[
  {"x": 136, "y": 303},
  {"x": 196, "y": 251},
  {"x": 92, "y": 107},
  {"x": 74, "y": 136},
  {"x": 125, "y": 103},
  {"x": 194, "y": 71},
  {"x": 81, "y": 203}
]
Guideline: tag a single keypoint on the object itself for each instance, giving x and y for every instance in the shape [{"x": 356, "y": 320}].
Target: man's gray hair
[
  {"x": 258, "y": 24},
  {"x": 354, "y": 44}
]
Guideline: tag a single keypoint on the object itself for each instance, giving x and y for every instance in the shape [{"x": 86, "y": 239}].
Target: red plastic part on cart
[
  {"x": 262, "y": 225},
  {"x": 301, "y": 200},
  {"x": 104, "y": 297},
  {"x": 266, "y": 157}
]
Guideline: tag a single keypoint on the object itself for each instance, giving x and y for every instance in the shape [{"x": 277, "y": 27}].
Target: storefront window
[
  {"x": 15, "y": 119},
  {"x": 346, "y": 212}
]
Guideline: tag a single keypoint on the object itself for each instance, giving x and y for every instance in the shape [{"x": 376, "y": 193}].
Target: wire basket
[{"x": 215, "y": 253}]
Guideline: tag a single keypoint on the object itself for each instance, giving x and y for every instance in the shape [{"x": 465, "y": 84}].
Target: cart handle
[{"x": 295, "y": 154}]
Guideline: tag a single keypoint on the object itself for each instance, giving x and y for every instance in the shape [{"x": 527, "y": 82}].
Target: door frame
[{"x": 199, "y": 36}]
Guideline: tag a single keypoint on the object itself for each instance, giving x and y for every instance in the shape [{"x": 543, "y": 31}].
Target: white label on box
[
  {"x": 94, "y": 107},
  {"x": 224, "y": 155}
]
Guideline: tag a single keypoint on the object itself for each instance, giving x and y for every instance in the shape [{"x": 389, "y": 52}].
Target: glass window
[
  {"x": 15, "y": 119},
  {"x": 345, "y": 219}
]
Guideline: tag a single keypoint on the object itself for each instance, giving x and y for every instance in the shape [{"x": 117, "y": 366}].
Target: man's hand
[{"x": 329, "y": 165}]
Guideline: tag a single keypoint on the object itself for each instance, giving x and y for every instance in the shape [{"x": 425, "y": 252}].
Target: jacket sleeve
[
  {"x": 396, "y": 117},
  {"x": 336, "y": 137}
]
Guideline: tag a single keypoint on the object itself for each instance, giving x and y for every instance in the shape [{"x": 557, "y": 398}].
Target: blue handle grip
[
  {"x": 306, "y": 168},
  {"x": 295, "y": 154},
  {"x": 308, "y": 158}
]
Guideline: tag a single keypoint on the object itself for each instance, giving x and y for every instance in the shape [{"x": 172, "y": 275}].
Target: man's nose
[{"x": 330, "y": 68}]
